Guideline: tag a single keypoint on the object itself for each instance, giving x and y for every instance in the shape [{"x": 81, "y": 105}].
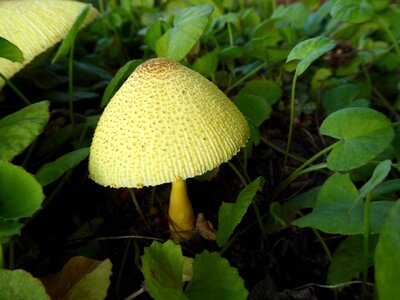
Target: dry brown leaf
[
  {"x": 205, "y": 228},
  {"x": 80, "y": 278}
]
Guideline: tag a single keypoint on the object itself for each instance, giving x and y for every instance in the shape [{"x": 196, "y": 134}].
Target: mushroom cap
[
  {"x": 165, "y": 122},
  {"x": 35, "y": 26}
]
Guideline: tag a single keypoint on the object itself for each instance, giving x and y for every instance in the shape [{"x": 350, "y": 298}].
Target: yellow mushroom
[
  {"x": 35, "y": 26},
  {"x": 165, "y": 124}
]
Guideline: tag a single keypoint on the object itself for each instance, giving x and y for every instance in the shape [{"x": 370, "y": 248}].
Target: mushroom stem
[{"x": 181, "y": 223}]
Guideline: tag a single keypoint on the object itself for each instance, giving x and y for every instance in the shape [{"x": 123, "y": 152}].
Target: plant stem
[
  {"x": 390, "y": 36},
  {"x": 367, "y": 208},
  {"x": 1, "y": 255},
  {"x": 245, "y": 77},
  {"x": 138, "y": 209},
  {"x": 11, "y": 251},
  {"x": 135, "y": 294},
  {"x": 292, "y": 109},
  {"x": 324, "y": 245},
  {"x": 244, "y": 182},
  {"x": 256, "y": 210},
  {"x": 277, "y": 149},
  {"x": 71, "y": 82},
  {"x": 230, "y": 34},
  {"x": 122, "y": 265},
  {"x": 299, "y": 170},
  {"x": 273, "y": 5},
  {"x": 15, "y": 89},
  {"x": 386, "y": 103}
]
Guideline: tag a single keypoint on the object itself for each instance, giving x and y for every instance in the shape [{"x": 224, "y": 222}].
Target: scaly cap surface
[
  {"x": 165, "y": 122},
  {"x": 35, "y": 26}
]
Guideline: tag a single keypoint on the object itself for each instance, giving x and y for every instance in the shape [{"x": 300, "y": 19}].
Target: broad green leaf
[
  {"x": 8, "y": 228},
  {"x": 387, "y": 256},
  {"x": 379, "y": 174},
  {"x": 269, "y": 90},
  {"x": 317, "y": 18},
  {"x": 70, "y": 38},
  {"x": 94, "y": 284},
  {"x": 230, "y": 214},
  {"x": 254, "y": 108},
  {"x": 119, "y": 78},
  {"x": 386, "y": 188},
  {"x": 363, "y": 134},
  {"x": 113, "y": 20},
  {"x": 54, "y": 170},
  {"x": 296, "y": 13},
  {"x": 19, "y": 284},
  {"x": 380, "y": 5},
  {"x": 348, "y": 259},
  {"x": 154, "y": 32},
  {"x": 21, "y": 128},
  {"x": 354, "y": 11},
  {"x": 207, "y": 64},
  {"x": 188, "y": 26},
  {"x": 214, "y": 279},
  {"x": 89, "y": 72},
  {"x": 92, "y": 121},
  {"x": 338, "y": 209},
  {"x": 80, "y": 278},
  {"x": 163, "y": 270},
  {"x": 255, "y": 137},
  {"x": 255, "y": 100},
  {"x": 20, "y": 194},
  {"x": 10, "y": 51},
  {"x": 340, "y": 97},
  {"x": 283, "y": 214},
  {"x": 308, "y": 51}
]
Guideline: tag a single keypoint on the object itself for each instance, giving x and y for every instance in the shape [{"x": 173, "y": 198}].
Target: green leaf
[
  {"x": 154, "y": 32},
  {"x": 119, "y": 78},
  {"x": 296, "y": 13},
  {"x": 163, "y": 270},
  {"x": 113, "y": 20},
  {"x": 283, "y": 214},
  {"x": 269, "y": 90},
  {"x": 254, "y": 108},
  {"x": 340, "y": 97},
  {"x": 387, "y": 256},
  {"x": 214, "y": 279},
  {"x": 20, "y": 194},
  {"x": 10, "y": 51},
  {"x": 308, "y": 51},
  {"x": 379, "y": 174},
  {"x": 207, "y": 64},
  {"x": 19, "y": 284},
  {"x": 70, "y": 38},
  {"x": 8, "y": 228},
  {"x": 363, "y": 134},
  {"x": 338, "y": 209},
  {"x": 230, "y": 215},
  {"x": 386, "y": 188},
  {"x": 348, "y": 259},
  {"x": 255, "y": 100},
  {"x": 54, "y": 170},
  {"x": 354, "y": 11},
  {"x": 21, "y": 128},
  {"x": 189, "y": 24}
]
